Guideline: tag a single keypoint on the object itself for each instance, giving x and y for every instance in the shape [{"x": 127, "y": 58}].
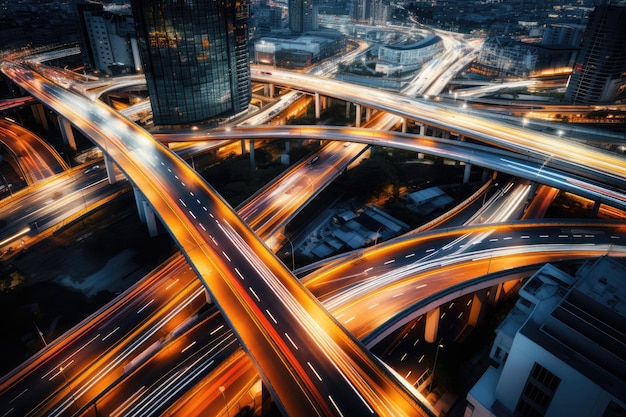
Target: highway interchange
[{"x": 187, "y": 201}]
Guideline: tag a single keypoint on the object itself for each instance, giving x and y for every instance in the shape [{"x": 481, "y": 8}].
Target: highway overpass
[{"x": 309, "y": 361}]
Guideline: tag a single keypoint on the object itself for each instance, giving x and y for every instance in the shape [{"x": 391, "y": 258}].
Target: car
[
  {"x": 92, "y": 169},
  {"x": 314, "y": 160}
]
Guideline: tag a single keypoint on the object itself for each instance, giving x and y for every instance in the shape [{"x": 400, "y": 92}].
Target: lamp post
[
  {"x": 61, "y": 370},
  {"x": 439, "y": 346},
  {"x": 222, "y": 389},
  {"x": 40, "y": 334},
  {"x": 495, "y": 184},
  {"x": 8, "y": 186},
  {"x": 376, "y": 237},
  {"x": 66, "y": 156}
]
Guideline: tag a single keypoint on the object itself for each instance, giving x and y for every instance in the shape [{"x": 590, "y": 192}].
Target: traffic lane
[
  {"x": 30, "y": 385},
  {"x": 176, "y": 365},
  {"x": 416, "y": 250}
]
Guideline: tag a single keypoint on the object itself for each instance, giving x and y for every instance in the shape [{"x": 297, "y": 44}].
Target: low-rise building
[
  {"x": 561, "y": 351},
  {"x": 505, "y": 57},
  {"x": 407, "y": 56}
]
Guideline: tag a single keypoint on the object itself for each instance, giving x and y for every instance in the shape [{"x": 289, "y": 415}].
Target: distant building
[
  {"x": 109, "y": 41},
  {"x": 505, "y": 57},
  {"x": 266, "y": 16},
  {"x": 360, "y": 10},
  {"x": 428, "y": 200},
  {"x": 563, "y": 35},
  {"x": 195, "y": 57},
  {"x": 407, "y": 56},
  {"x": 561, "y": 351},
  {"x": 299, "y": 52},
  {"x": 302, "y": 16},
  {"x": 599, "y": 75}
]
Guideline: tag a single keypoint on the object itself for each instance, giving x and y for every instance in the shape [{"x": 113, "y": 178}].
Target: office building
[
  {"x": 505, "y": 57},
  {"x": 408, "y": 55},
  {"x": 108, "y": 40},
  {"x": 561, "y": 351},
  {"x": 302, "y": 16},
  {"x": 195, "y": 57},
  {"x": 599, "y": 75}
]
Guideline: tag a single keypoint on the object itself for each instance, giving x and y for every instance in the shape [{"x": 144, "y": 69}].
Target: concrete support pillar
[
  {"x": 432, "y": 325},
  {"x": 324, "y": 102},
  {"x": 533, "y": 189},
  {"x": 495, "y": 293},
  {"x": 466, "y": 173},
  {"x": 66, "y": 132},
  {"x": 108, "y": 164},
  {"x": 445, "y": 134},
  {"x": 252, "y": 162},
  {"x": 150, "y": 219},
  {"x": 595, "y": 209},
  {"x": 146, "y": 214},
  {"x": 422, "y": 129},
  {"x": 243, "y": 146},
  {"x": 368, "y": 114},
  {"x": 475, "y": 310},
  {"x": 139, "y": 203},
  {"x": 420, "y": 155},
  {"x": 485, "y": 175},
  {"x": 266, "y": 401},
  {"x": 357, "y": 119},
  {"x": 271, "y": 90},
  {"x": 404, "y": 125},
  {"x": 207, "y": 296},
  {"x": 348, "y": 104},
  {"x": 40, "y": 115},
  {"x": 317, "y": 105}
]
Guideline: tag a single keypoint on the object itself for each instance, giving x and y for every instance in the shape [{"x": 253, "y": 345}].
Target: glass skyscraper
[
  {"x": 195, "y": 58},
  {"x": 599, "y": 74}
]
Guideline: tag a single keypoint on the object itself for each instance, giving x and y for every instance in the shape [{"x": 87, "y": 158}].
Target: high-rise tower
[
  {"x": 599, "y": 74},
  {"x": 302, "y": 16},
  {"x": 195, "y": 57}
]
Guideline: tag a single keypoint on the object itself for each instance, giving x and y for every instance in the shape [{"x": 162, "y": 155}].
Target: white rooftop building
[{"x": 562, "y": 349}]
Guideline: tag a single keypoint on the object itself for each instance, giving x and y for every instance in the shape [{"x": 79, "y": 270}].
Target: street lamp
[
  {"x": 67, "y": 382},
  {"x": 486, "y": 192},
  {"x": 222, "y": 389},
  {"x": 439, "y": 346},
  {"x": 40, "y": 334},
  {"x": 66, "y": 156},
  {"x": 9, "y": 186},
  {"x": 376, "y": 237}
]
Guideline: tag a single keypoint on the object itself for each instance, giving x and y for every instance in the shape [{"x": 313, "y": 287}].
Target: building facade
[
  {"x": 302, "y": 16},
  {"x": 561, "y": 349},
  {"x": 407, "y": 56},
  {"x": 195, "y": 58},
  {"x": 504, "y": 57},
  {"x": 599, "y": 75},
  {"x": 109, "y": 41}
]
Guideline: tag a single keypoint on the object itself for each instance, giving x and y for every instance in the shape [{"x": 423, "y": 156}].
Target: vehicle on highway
[
  {"x": 92, "y": 169},
  {"x": 314, "y": 160}
]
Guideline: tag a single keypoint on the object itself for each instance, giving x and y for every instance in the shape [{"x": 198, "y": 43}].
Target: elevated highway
[
  {"x": 563, "y": 175},
  {"x": 309, "y": 361},
  {"x": 550, "y": 148}
]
